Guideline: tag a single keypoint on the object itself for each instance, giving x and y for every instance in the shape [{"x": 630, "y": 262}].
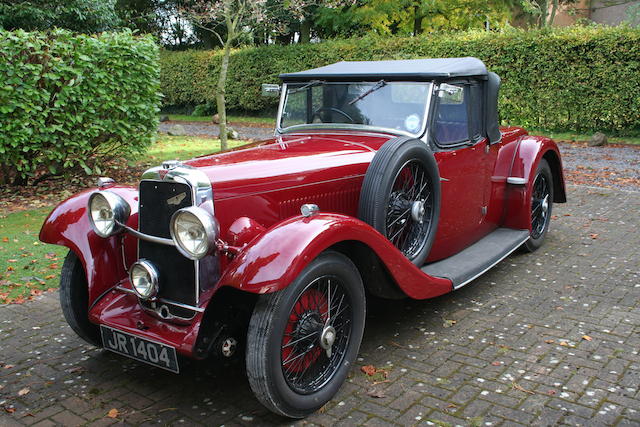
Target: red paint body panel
[
  {"x": 274, "y": 259},
  {"x": 68, "y": 225},
  {"x": 122, "y": 311}
]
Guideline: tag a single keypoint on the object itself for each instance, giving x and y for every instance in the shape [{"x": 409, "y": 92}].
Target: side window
[{"x": 451, "y": 124}]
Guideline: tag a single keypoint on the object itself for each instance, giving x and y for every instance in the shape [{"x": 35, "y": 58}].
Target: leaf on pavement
[
  {"x": 369, "y": 369},
  {"x": 113, "y": 413},
  {"x": 587, "y": 338},
  {"x": 24, "y": 391},
  {"x": 518, "y": 387},
  {"x": 376, "y": 392}
]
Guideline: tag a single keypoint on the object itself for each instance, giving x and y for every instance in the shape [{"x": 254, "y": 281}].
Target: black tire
[
  {"x": 74, "y": 300},
  {"x": 540, "y": 226},
  {"x": 271, "y": 380},
  {"x": 379, "y": 200}
]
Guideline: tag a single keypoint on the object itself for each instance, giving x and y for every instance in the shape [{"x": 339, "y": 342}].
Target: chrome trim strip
[
  {"x": 163, "y": 300},
  {"x": 492, "y": 265},
  {"x": 516, "y": 181},
  {"x": 149, "y": 238},
  {"x": 179, "y": 304}
]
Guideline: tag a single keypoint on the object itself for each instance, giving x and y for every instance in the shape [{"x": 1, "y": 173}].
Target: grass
[
  {"x": 181, "y": 148},
  {"x": 230, "y": 118},
  {"x": 573, "y": 136},
  {"x": 30, "y": 266}
]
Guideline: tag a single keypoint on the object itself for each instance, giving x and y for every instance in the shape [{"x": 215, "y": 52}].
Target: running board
[{"x": 475, "y": 260}]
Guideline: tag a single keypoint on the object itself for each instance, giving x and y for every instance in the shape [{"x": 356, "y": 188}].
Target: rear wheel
[
  {"x": 74, "y": 300},
  {"x": 303, "y": 340},
  {"x": 541, "y": 206}
]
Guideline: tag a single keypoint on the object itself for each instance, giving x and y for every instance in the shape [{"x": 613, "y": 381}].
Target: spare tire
[{"x": 400, "y": 196}]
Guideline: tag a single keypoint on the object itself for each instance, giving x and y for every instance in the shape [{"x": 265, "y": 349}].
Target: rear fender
[
  {"x": 530, "y": 151},
  {"x": 102, "y": 259},
  {"x": 274, "y": 259}
]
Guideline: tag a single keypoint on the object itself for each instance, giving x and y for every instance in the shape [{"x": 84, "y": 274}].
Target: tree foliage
[
  {"x": 70, "y": 102},
  {"x": 580, "y": 78},
  {"x": 84, "y": 16}
]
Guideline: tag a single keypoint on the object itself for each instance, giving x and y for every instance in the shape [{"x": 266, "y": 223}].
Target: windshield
[{"x": 400, "y": 106}]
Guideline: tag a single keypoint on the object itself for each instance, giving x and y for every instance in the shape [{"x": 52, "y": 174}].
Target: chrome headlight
[
  {"x": 194, "y": 231},
  {"x": 107, "y": 211},
  {"x": 144, "y": 279}
]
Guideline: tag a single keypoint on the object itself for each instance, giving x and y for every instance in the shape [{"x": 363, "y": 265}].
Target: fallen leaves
[
  {"x": 587, "y": 338},
  {"x": 377, "y": 375},
  {"x": 449, "y": 323},
  {"x": 376, "y": 392},
  {"x": 594, "y": 235},
  {"x": 113, "y": 413},
  {"x": 9, "y": 409},
  {"x": 368, "y": 369},
  {"x": 24, "y": 391},
  {"x": 516, "y": 386}
]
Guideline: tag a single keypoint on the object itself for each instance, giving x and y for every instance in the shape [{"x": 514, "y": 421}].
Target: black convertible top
[{"x": 413, "y": 69}]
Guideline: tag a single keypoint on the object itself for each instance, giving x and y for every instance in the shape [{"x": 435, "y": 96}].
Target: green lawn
[
  {"x": 181, "y": 148},
  {"x": 230, "y": 118},
  {"x": 28, "y": 266}
]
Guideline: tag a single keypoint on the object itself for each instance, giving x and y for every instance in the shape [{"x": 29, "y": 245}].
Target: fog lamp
[
  {"x": 107, "y": 213},
  {"x": 144, "y": 279}
]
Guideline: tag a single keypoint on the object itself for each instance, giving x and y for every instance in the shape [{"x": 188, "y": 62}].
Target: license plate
[{"x": 151, "y": 352}]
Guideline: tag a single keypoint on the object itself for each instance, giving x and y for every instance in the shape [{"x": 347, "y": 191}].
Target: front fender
[
  {"x": 273, "y": 260},
  {"x": 530, "y": 151},
  {"x": 68, "y": 225}
]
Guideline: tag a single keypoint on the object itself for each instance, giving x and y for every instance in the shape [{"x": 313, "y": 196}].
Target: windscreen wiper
[
  {"x": 312, "y": 83},
  {"x": 377, "y": 86}
]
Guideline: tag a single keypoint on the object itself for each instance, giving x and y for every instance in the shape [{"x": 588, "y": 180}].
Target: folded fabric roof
[{"x": 404, "y": 69}]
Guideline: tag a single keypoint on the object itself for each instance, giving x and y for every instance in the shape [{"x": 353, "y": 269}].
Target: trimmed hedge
[
  {"x": 73, "y": 101},
  {"x": 578, "y": 78}
]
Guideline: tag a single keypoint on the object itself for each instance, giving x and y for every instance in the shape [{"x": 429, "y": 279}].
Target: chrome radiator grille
[{"x": 159, "y": 200}]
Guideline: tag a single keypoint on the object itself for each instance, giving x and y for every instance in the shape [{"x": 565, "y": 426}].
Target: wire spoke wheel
[
  {"x": 409, "y": 212},
  {"x": 540, "y": 199},
  {"x": 316, "y": 335}
]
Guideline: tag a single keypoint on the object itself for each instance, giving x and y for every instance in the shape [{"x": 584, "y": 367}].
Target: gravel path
[
  {"x": 209, "y": 129},
  {"x": 615, "y": 166}
]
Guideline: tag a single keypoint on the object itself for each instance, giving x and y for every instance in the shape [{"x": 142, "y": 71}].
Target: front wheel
[
  {"x": 74, "y": 300},
  {"x": 541, "y": 206},
  {"x": 303, "y": 339}
]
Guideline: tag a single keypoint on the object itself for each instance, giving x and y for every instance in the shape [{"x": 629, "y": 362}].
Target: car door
[{"x": 461, "y": 152}]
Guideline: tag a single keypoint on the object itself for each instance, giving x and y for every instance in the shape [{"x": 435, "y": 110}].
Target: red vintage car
[{"x": 390, "y": 178}]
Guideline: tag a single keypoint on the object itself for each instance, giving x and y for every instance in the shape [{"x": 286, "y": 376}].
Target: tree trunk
[
  {"x": 305, "y": 31},
  {"x": 417, "y": 21},
  {"x": 544, "y": 12},
  {"x": 554, "y": 9},
  {"x": 220, "y": 92}
]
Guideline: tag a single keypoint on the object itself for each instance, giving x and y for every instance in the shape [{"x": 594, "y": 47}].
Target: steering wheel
[{"x": 332, "y": 109}]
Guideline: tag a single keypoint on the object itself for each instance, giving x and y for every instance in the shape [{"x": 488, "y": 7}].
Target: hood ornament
[{"x": 171, "y": 164}]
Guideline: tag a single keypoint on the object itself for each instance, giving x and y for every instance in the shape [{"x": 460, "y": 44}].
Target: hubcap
[{"x": 417, "y": 211}]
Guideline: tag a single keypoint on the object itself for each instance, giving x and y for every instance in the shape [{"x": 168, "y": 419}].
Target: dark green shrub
[
  {"x": 580, "y": 78},
  {"x": 208, "y": 109},
  {"x": 73, "y": 101}
]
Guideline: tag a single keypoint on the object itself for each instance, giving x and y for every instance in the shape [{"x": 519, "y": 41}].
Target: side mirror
[{"x": 270, "y": 90}]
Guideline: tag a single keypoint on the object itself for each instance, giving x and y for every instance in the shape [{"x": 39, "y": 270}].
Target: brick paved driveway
[{"x": 545, "y": 338}]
